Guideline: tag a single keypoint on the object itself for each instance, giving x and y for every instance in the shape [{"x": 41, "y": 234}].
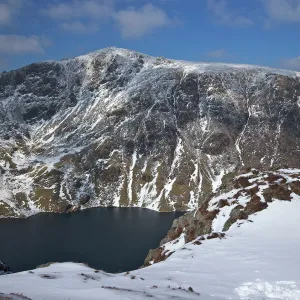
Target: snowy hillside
[
  {"x": 256, "y": 258},
  {"x": 120, "y": 128},
  {"x": 249, "y": 193}
]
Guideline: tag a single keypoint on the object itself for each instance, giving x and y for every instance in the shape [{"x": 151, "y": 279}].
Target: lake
[{"x": 110, "y": 239}]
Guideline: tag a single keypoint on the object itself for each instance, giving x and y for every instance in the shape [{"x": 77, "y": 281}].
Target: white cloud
[
  {"x": 224, "y": 15},
  {"x": 291, "y": 63},
  {"x": 135, "y": 23},
  {"x": 19, "y": 44},
  {"x": 85, "y": 16},
  {"x": 217, "y": 53},
  {"x": 80, "y": 9},
  {"x": 8, "y": 8},
  {"x": 5, "y": 14},
  {"x": 283, "y": 10},
  {"x": 80, "y": 27},
  {"x": 81, "y": 16}
]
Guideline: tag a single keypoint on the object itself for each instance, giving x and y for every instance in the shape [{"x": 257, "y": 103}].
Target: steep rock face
[{"x": 119, "y": 128}]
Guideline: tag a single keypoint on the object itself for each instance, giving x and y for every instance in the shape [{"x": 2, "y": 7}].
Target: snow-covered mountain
[
  {"x": 251, "y": 251},
  {"x": 120, "y": 128}
]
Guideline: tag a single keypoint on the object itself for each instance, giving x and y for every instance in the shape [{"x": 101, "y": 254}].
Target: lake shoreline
[{"x": 78, "y": 209}]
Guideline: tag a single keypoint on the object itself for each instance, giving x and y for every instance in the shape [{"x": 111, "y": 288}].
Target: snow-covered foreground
[{"x": 258, "y": 259}]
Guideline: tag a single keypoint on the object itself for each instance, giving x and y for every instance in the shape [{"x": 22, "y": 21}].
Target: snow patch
[
  {"x": 217, "y": 182},
  {"x": 221, "y": 218},
  {"x": 172, "y": 246},
  {"x": 286, "y": 290}
]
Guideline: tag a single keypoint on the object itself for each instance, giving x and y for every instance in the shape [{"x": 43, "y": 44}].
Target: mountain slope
[
  {"x": 119, "y": 128},
  {"x": 250, "y": 193},
  {"x": 255, "y": 258}
]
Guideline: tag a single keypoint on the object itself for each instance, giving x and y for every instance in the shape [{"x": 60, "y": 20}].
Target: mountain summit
[{"x": 120, "y": 128}]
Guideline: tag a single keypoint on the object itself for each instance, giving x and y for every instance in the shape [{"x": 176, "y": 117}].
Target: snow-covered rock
[
  {"x": 249, "y": 194},
  {"x": 120, "y": 128},
  {"x": 4, "y": 269}
]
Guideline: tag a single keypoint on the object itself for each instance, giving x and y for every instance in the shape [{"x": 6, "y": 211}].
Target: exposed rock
[
  {"x": 236, "y": 214},
  {"x": 154, "y": 256},
  {"x": 241, "y": 182},
  {"x": 277, "y": 191},
  {"x": 193, "y": 224},
  {"x": 13, "y": 296},
  {"x": 215, "y": 235},
  {"x": 255, "y": 205},
  {"x": 4, "y": 269},
  {"x": 295, "y": 187},
  {"x": 223, "y": 203},
  {"x": 84, "y": 199},
  {"x": 70, "y": 208}
]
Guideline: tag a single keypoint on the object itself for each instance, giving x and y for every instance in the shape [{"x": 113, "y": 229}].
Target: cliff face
[{"x": 119, "y": 128}]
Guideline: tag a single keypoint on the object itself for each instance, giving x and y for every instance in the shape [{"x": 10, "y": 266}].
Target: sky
[{"x": 260, "y": 32}]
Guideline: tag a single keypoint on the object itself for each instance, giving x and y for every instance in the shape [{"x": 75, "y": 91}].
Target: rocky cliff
[{"x": 119, "y": 128}]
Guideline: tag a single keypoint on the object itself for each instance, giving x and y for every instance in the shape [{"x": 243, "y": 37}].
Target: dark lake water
[{"x": 110, "y": 239}]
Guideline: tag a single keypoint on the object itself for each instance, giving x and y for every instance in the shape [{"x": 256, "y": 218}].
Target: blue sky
[{"x": 263, "y": 32}]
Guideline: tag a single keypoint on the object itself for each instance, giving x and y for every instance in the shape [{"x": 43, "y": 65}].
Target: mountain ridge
[
  {"x": 124, "y": 51},
  {"x": 119, "y": 128}
]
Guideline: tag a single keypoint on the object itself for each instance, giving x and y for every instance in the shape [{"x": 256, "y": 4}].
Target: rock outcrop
[
  {"x": 4, "y": 269},
  {"x": 251, "y": 193}
]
